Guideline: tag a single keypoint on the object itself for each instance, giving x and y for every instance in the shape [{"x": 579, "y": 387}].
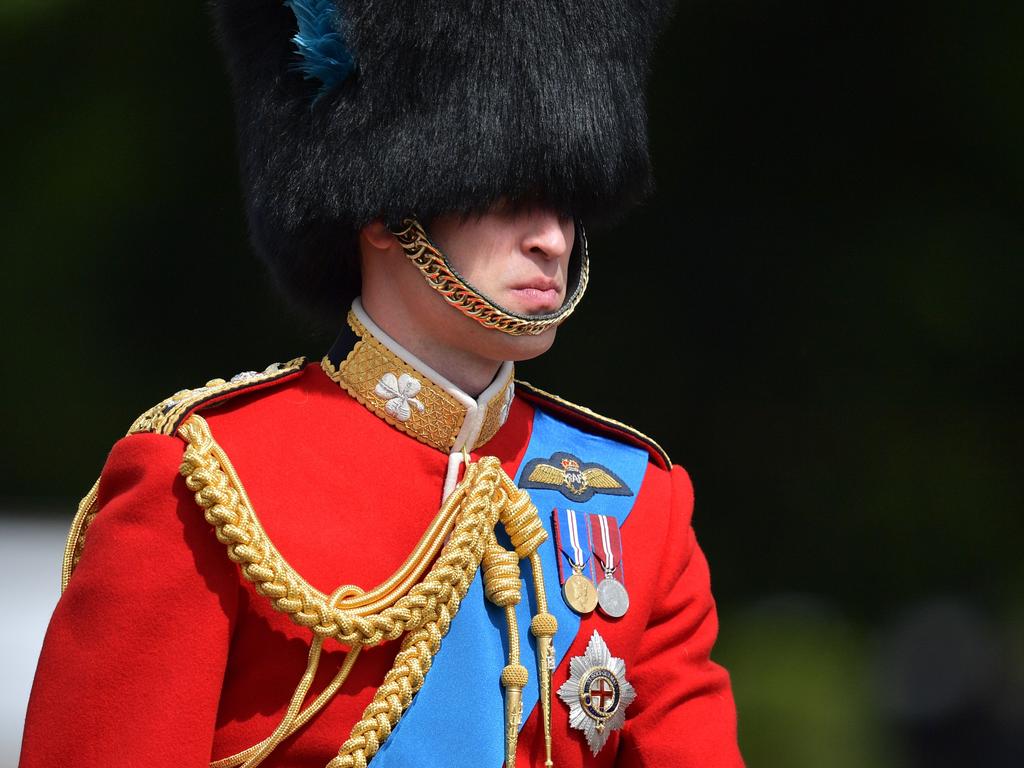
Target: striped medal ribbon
[
  {"x": 612, "y": 597},
  {"x": 578, "y": 589}
]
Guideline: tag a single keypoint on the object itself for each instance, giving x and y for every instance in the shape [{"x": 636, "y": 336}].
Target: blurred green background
[{"x": 818, "y": 314}]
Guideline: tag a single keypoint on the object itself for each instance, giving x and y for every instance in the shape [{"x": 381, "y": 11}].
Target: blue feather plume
[{"x": 325, "y": 57}]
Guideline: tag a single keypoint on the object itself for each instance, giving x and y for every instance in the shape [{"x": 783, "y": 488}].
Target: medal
[
  {"x": 612, "y": 597},
  {"x": 597, "y": 693},
  {"x": 578, "y": 587},
  {"x": 579, "y": 593}
]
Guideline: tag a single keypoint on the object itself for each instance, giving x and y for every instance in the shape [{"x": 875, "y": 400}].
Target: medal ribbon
[
  {"x": 607, "y": 546},
  {"x": 575, "y": 546},
  {"x": 574, "y": 539}
]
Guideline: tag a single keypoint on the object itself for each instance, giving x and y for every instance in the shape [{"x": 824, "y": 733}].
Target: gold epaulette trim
[
  {"x": 76, "y": 536},
  {"x": 617, "y": 426},
  {"x": 163, "y": 419}
]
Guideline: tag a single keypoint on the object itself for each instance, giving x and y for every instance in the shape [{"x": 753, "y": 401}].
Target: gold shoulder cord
[
  {"x": 419, "y": 600},
  {"x": 162, "y": 419}
]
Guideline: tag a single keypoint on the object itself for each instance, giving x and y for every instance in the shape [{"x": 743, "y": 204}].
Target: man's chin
[{"x": 517, "y": 348}]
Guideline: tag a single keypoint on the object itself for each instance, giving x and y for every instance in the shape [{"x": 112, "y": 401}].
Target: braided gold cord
[
  {"x": 488, "y": 491},
  {"x": 502, "y": 584},
  {"x": 294, "y": 718},
  {"x": 208, "y": 472},
  {"x": 463, "y": 530}
]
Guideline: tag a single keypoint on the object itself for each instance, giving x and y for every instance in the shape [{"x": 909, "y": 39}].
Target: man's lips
[
  {"x": 539, "y": 284},
  {"x": 541, "y": 295}
]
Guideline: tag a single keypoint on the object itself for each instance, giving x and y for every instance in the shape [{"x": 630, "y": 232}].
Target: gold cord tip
[{"x": 513, "y": 719}]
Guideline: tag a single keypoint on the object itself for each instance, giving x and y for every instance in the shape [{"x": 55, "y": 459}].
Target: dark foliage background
[{"x": 818, "y": 315}]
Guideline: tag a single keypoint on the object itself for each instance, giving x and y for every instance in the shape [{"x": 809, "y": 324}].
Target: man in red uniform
[{"x": 399, "y": 553}]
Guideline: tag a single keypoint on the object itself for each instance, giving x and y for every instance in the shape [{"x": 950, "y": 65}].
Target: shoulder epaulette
[
  {"x": 165, "y": 417},
  {"x": 580, "y": 413}
]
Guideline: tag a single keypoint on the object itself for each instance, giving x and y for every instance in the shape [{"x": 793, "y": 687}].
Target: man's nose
[{"x": 548, "y": 235}]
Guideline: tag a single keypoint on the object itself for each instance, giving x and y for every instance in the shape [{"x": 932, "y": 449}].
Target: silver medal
[{"x": 612, "y": 597}]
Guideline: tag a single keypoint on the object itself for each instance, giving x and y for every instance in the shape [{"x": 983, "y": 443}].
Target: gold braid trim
[
  {"x": 164, "y": 417},
  {"x": 87, "y": 509},
  {"x": 652, "y": 446},
  {"x": 209, "y": 473},
  {"x": 369, "y": 360},
  {"x": 422, "y": 607}
]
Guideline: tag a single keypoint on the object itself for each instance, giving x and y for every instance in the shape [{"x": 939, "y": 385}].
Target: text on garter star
[{"x": 400, "y": 392}]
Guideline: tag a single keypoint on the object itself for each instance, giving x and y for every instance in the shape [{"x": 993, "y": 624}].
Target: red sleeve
[
  {"x": 131, "y": 668},
  {"x": 690, "y": 720}
]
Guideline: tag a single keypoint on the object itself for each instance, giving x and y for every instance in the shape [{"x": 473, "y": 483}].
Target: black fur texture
[{"x": 454, "y": 104}]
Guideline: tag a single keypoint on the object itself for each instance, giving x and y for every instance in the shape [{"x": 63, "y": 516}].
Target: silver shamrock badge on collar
[{"x": 597, "y": 693}]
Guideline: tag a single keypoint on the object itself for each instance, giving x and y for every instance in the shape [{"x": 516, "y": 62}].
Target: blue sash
[{"x": 457, "y": 719}]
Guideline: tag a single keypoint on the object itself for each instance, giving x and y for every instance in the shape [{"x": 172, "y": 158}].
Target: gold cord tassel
[
  {"x": 527, "y": 534},
  {"x": 503, "y": 588}
]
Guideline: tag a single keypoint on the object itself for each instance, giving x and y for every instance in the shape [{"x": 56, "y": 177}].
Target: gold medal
[
  {"x": 578, "y": 588},
  {"x": 580, "y": 592}
]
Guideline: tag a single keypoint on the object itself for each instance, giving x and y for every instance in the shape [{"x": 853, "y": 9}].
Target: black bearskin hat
[{"x": 441, "y": 106}]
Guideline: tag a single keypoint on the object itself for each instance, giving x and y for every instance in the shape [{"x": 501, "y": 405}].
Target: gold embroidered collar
[{"x": 408, "y": 394}]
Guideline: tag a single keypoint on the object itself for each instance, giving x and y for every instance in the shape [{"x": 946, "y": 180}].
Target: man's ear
[{"x": 376, "y": 236}]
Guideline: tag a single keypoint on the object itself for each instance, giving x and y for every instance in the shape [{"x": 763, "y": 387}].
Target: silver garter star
[{"x": 597, "y": 693}]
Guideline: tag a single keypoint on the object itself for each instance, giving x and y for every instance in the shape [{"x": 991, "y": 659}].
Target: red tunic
[{"x": 160, "y": 654}]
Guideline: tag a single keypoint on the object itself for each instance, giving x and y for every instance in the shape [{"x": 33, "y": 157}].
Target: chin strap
[{"x": 440, "y": 276}]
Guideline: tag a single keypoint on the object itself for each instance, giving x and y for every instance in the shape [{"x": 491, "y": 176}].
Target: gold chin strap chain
[
  {"x": 440, "y": 276},
  {"x": 419, "y": 600}
]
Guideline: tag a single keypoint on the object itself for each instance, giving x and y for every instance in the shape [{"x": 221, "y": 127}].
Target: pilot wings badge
[
  {"x": 575, "y": 479},
  {"x": 597, "y": 693}
]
